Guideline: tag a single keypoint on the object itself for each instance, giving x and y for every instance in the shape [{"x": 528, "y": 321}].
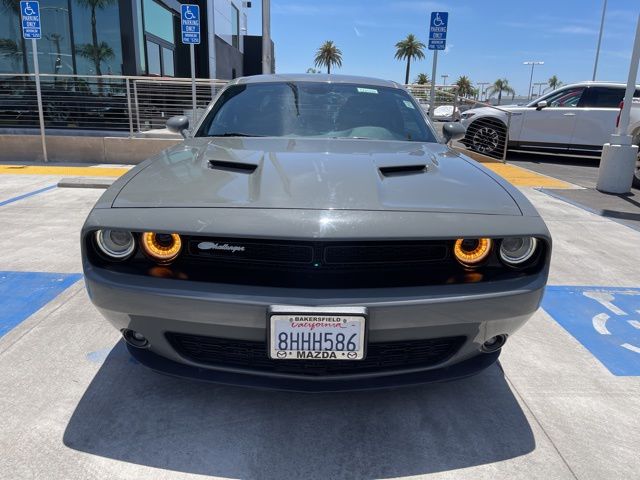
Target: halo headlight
[
  {"x": 115, "y": 244},
  {"x": 472, "y": 251},
  {"x": 161, "y": 247},
  {"x": 517, "y": 250}
]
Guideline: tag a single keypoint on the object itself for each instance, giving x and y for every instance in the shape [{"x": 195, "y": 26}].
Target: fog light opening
[
  {"x": 494, "y": 343},
  {"x": 135, "y": 339}
]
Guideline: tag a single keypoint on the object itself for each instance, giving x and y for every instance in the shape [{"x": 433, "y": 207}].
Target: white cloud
[
  {"x": 577, "y": 30},
  {"x": 448, "y": 48},
  {"x": 357, "y": 32}
]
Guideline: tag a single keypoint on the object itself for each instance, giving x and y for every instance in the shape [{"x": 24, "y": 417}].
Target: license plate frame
[{"x": 289, "y": 310}]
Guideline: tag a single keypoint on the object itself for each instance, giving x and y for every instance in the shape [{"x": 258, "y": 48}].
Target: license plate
[{"x": 317, "y": 334}]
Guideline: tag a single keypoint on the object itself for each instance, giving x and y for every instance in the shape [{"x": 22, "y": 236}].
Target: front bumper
[{"x": 154, "y": 307}]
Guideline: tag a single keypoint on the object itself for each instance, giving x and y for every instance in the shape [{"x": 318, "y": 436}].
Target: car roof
[
  {"x": 317, "y": 77},
  {"x": 598, "y": 83}
]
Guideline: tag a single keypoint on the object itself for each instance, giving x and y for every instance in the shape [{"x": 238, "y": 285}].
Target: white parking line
[{"x": 633, "y": 348}]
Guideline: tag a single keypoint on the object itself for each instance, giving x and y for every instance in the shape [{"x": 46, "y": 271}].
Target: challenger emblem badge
[{"x": 221, "y": 246}]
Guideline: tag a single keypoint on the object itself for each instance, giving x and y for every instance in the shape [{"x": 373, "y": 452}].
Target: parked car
[
  {"x": 313, "y": 234},
  {"x": 575, "y": 119},
  {"x": 446, "y": 113}
]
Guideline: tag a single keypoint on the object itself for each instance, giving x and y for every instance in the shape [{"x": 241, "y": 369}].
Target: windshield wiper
[{"x": 236, "y": 134}]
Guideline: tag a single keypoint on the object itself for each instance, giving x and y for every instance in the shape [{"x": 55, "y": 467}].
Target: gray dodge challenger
[{"x": 312, "y": 233}]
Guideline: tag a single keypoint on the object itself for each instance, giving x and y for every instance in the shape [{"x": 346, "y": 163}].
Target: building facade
[{"x": 125, "y": 37}]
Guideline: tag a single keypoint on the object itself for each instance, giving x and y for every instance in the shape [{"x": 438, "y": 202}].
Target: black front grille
[
  {"x": 384, "y": 356},
  {"x": 251, "y": 251},
  {"x": 384, "y": 253}
]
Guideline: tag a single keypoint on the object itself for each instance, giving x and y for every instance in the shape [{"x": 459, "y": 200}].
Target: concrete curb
[{"x": 86, "y": 182}]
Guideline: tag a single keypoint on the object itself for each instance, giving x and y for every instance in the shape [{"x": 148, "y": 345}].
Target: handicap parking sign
[
  {"x": 605, "y": 320},
  {"x": 190, "y": 22},
  {"x": 30, "y": 16},
  {"x": 438, "y": 30}
]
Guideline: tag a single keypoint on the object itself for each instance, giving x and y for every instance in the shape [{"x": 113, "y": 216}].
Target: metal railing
[
  {"x": 108, "y": 103},
  {"x": 137, "y": 105}
]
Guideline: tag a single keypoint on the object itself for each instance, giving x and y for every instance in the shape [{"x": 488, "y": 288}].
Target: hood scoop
[
  {"x": 236, "y": 167},
  {"x": 397, "y": 170}
]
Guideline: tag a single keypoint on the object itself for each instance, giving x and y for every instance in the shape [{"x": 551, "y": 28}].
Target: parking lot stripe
[
  {"x": 521, "y": 177},
  {"x": 62, "y": 171},
  {"x": 24, "y": 293},
  {"x": 26, "y": 195}
]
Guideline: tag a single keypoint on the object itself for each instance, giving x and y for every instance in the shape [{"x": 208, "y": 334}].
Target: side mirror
[
  {"x": 453, "y": 131},
  {"x": 178, "y": 124},
  {"x": 541, "y": 104}
]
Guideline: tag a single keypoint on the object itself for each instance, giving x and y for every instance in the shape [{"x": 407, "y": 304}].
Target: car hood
[{"x": 343, "y": 174}]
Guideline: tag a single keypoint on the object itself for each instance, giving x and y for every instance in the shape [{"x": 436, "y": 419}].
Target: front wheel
[{"x": 487, "y": 138}]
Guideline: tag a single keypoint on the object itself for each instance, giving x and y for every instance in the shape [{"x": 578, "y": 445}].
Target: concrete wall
[{"x": 119, "y": 150}]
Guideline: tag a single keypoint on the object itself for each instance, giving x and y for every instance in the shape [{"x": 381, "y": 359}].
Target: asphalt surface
[
  {"x": 74, "y": 405},
  {"x": 583, "y": 172}
]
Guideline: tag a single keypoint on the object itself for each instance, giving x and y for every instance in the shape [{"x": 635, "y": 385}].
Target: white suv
[{"x": 575, "y": 119}]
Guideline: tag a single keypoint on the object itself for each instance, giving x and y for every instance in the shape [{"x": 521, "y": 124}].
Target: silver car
[{"x": 312, "y": 233}]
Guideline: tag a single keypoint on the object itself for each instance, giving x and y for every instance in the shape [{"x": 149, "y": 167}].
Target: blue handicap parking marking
[
  {"x": 24, "y": 293},
  {"x": 606, "y": 320}
]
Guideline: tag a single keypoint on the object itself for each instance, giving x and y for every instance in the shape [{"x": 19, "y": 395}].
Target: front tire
[{"x": 486, "y": 137}]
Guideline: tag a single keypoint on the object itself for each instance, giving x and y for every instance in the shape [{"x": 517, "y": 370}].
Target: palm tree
[
  {"x": 421, "y": 79},
  {"x": 554, "y": 82},
  {"x": 409, "y": 48},
  {"x": 9, "y": 49},
  {"x": 499, "y": 86},
  {"x": 14, "y": 5},
  {"x": 96, "y": 51},
  {"x": 465, "y": 88},
  {"x": 327, "y": 55}
]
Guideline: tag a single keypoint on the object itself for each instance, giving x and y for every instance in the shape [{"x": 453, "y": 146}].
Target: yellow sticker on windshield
[{"x": 367, "y": 90}]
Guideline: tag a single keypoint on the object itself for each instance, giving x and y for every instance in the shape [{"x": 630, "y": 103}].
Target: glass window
[
  {"x": 565, "y": 98},
  {"x": 98, "y": 45},
  {"x": 12, "y": 46},
  {"x": 603, "y": 97},
  {"x": 168, "y": 69},
  {"x": 310, "y": 109},
  {"x": 158, "y": 21},
  {"x": 153, "y": 57},
  {"x": 235, "y": 26}
]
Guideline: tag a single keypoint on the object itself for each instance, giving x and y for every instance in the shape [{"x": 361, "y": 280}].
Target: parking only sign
[
  {"x": 30, "y": 16},
  {"x": 438, "y": 30},
  {"x": 190, "y": 16}
]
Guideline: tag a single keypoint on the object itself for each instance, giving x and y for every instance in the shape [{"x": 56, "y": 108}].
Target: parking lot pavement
[
  {"x": 75, "y": 405},
  {"x": 584, "y": 173}
]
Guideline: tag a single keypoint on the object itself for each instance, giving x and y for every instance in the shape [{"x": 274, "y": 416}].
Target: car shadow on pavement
[{"x": 132, "y": 414}]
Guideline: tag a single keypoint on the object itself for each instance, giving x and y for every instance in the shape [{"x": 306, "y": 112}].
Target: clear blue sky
[{"x": 486, "y": 39}]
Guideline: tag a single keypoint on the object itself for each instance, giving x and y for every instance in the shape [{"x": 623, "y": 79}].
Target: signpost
[
  {"x": 31, "y": 30},
  {"x": 437, "y": 41},
  {"x": 190, "y": 22}
]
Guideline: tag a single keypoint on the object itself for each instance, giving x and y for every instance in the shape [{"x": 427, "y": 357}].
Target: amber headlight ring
[
  {"x": 162, "y": 248},
  {"x": 472, "y": 252}
]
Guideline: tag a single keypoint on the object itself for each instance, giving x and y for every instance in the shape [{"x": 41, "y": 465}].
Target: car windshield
[{"x": 315, "y": 109}]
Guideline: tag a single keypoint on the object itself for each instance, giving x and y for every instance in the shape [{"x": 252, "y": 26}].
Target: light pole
[
  {"x": 444, "y": 78},
  {"x": 618, "y": 161},
  {"x": 533, "y": 64},
  {"x": 539, "y": 85},
  {"x": 482, "y": 85},
  {"x": 595, "y": 65},
  {"x": 266, "y": 37}
]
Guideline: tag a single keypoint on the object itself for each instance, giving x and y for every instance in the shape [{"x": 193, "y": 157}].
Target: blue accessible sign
[
  {"x": 438, "y": 30},
  {"x": 30, "y": 16},
  {"x": 605, "y": 320},
  {"x": 190, "y": 21}
]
